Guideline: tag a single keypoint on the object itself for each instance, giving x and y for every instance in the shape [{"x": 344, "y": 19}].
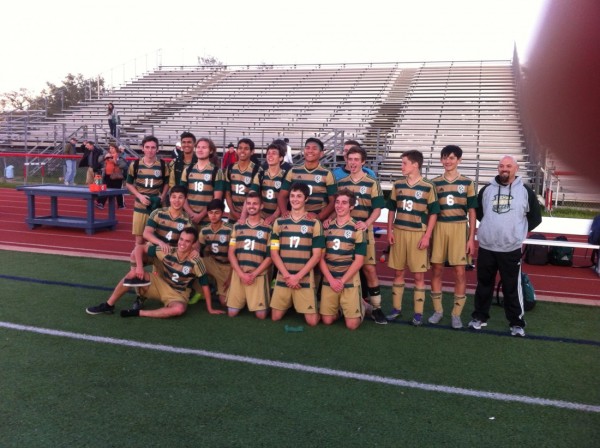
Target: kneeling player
[
  {"x": 345, "y": 249},
  {"x": 296, "y": 244},
  {"x": 173, "y": 272},
  {"x": 250, "y": 257}
]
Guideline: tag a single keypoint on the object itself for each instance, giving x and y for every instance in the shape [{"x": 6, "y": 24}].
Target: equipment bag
[
  {"x": 561, "y": 256},
  {"x": 534, "y": 254},
  {"x": 527, "y": 290}
]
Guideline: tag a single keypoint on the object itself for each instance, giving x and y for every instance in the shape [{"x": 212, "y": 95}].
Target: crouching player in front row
[
  {"x": 296, "y": 244},
  {"x": 345, "y": 249},
  {"x": 250, "y": 258},
  {"x": 172, "y": 274}
]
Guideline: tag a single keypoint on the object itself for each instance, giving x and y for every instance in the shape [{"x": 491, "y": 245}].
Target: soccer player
[
  {"x": 184, "y": 158},
  {"x": 369, "y": 202},
  {"x": 238, "y": 178},
  {"x": 214, "y": 247},
  {"x": 413, "y": 209},
  {"x": 341, "y": 172},
  {"x": 173, "y": 273},
  {"x": 454, "y": 233},
  {"x": 296, "y": 244},
  {"x": 268, "y": 183},
  {"x": 148, "y": 182},
  {"x": 320, "y": 181},
  {"x": 250, "y": 259},
  {"x": 204, "y": 182},
  {"x": 345, "y": 249}
]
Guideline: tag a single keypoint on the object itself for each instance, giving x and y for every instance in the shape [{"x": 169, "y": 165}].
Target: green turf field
[{"x": 70, "y": 379}]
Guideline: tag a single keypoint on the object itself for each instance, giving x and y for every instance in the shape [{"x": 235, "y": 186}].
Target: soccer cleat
[
  {"x": 195, "y": 298},
  {"x": 138, "y": 304},
  {"x": 476, "y": 324},
  {"x": 395, "y": 314},
  {"x": 130, "y": 313},
  {"x": 378, "y": 316},
  {"x": 456, "y": 322},
  {"x": 435, "y": 318},
  {"x": 103, "y": 308},
  {"x": 99, "y": 206},
  {"x": 417, "y": 320},
  {"x": 517, "y": 331},
  {"x": 135, "y": 282}
]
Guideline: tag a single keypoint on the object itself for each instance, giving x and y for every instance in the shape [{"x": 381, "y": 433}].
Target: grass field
[{"x": 70, "y": 379}]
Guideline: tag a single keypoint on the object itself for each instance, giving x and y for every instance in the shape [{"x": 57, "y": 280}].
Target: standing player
[
  {"x": 369, "y": 202},
  {"x": 458, "y": 201},
  {"x": 341, "y": 172},
  {"x": 148, "y": 182},
  {"x": 344, "y": 255},
  {"x": 173, "y": 273},
  {"x": 250, "y": 258},
  {"x": 185, "y": 158},
  {"x": 320, "y": 181},
  {"x": 413, "y": 209},
  {"x": 214, "y": 247},
  {"x": 238, "y": 178},
  {"x": 204, "y": 182},
  {"x": 268, "y": 183},
  {"x": 296, "y": 244}
]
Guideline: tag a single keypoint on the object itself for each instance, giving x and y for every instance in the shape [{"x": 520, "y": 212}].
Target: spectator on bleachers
[
  {"x": 184, "y": 158},
  {"x": 229, "y": 157},
  {"x": 506, "y": 209},
  {"x": 90, "y": 159},
  {"x": 341, "y": 172},
  {"x": 70, "y": 164},
  {"x": 114, "y": 166},
  {"x": 177, "y": 150},
  {"x": 113, "y": 120},
  {"x": 288, "y": 152}
]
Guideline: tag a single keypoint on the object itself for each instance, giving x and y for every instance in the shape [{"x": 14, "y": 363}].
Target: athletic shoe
[
  {"x": 138, "y": 304},
  {"x": 378, "y": 316},
  {"x": 435, "y": 318},
  {"x": 99, "y": 206},
  {"x": 476, "y": 324},
  {"x": 135, "y": 282},
  {"x": 195, "y": 298},
  {"x": 395, "y": 314},
  {"x": 517, "y": 331},
  {"x": 456, "y": 322},
  {"x": 130, "y": 313},
  {"x": 103, "y": 308},
  {"x": 417, "y": 320},
  {"x": 121, "y": 207}
]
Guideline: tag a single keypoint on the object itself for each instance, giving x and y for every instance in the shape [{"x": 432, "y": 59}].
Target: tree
[
  {"x": 209, "y": 61},
  {"x": 72, "y": 90}
]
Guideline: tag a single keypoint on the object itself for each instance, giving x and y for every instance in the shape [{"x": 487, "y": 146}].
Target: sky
[{"x": 119, "y": 39}]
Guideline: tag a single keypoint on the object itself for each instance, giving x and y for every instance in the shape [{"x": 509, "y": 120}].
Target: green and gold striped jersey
[
  {"x": 368, "y": 196},
  {"x": 149, "y": 180},
  {"x": 455, "y": 197},
  {"x": 215, "y": 244},
  {"x": 238, "y": 183},
  {"x": 268, "y": 186},
  {"x": 202, "y": 185},
  {"x": 413, "y": 204},
  {"x": 320, "y": 181},
  {"x": 168, "y": 228},
  {"x": 251, "y": 244},
  {"x": 342, "y": 242},
  {"x": 178, "y": 274},
  {"x": 295, "y": 241}
]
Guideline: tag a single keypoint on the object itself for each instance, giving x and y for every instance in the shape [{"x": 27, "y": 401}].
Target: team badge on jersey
[
  {"x": 304, "y": 229},
  {"x": 180, "y": 226},
  {"x": 260, "y": 234},
  {"x": 206, "y": 177},
  {"x": 156, "y": 173},
  {"x": 461, "y": 189},
  {"x": 186, "y": 270},
  {"x": 247, "y": 180},
  {"x": 318, "y": 178},
  {"x": 363, "y": 189},
  {"x": 222, "y": 239},
  {"x": 348, "y": 233},
  {"x": 418, "y": 194},
  {"x": 277, "y": 184}
]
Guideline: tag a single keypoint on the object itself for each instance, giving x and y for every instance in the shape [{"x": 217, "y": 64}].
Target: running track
[{"x": 564, "y": 284}]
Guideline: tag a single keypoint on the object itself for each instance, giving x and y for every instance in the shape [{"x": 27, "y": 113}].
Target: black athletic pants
[{"x": 509, "y": 266}]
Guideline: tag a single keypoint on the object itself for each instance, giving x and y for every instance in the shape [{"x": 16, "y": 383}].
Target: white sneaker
[
  {"x": 476, "y": 324},
  {"x": 435, "y": 318},
  {"x": 517, "y": 331},
  {"x": 456, "y": 322}
]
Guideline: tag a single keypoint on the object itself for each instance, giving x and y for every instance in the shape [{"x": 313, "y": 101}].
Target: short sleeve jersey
[
  {"x": 166, "y": 228},
  {"x": 342, "y": 242},
  {"x": 320, "y": 181},
  {"x": 455, "y": 197},
  {"x": 368, "y": 196},
  {"x": 202, "y": 185},
  {"x": 238, "y": 183},
  {"x": 178, "y": 274},
  {"x": 268, "y": 186},
  {"x": 251, "y": 244},
  {"x": 215, "y": 244},
  {"x": 295, "y": 241},
  {"x": 413, "y": 204},
  {"x": 149, "y": 180}
]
